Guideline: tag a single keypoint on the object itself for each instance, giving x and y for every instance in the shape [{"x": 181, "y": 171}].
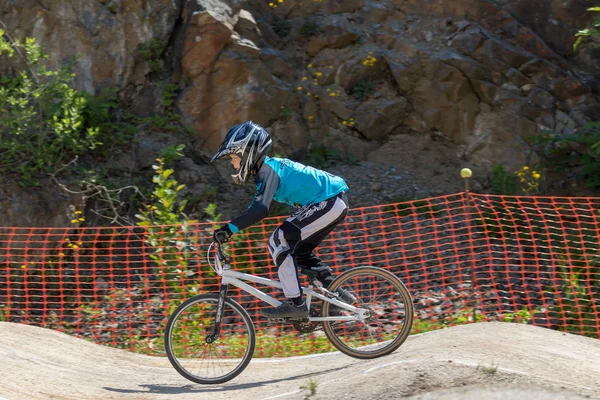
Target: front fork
[{"x": 214, "y": 336}]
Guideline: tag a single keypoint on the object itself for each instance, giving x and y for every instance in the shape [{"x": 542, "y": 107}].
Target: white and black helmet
[{"x": 250, "y": 142}]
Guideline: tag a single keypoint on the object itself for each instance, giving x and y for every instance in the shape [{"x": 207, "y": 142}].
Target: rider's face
[{"x": 235, "y": 161}]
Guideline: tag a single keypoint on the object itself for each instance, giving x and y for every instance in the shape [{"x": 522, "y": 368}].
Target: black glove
[{"x": 222, "y": 234}]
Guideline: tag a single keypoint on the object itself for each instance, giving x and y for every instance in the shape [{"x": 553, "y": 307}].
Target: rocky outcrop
[
  {"x": 351, "y": 75},
  {"x": 228, "y": 81},
  {"x": 103, "y": 37}
]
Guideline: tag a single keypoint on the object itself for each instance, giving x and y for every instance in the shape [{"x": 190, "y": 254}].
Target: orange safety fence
[{"x": 464, "y": 257}]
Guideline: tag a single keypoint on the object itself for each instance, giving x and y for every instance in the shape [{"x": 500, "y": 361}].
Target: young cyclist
[{"x": 321, "y": 197}]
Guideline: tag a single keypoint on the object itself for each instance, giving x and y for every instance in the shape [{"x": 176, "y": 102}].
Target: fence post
[{"x": 466, "y": 173}]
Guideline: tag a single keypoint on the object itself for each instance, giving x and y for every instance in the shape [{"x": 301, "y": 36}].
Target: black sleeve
[{"x": 267, "y": 182}]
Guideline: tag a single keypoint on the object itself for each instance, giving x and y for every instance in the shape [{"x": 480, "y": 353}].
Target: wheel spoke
[
  {"x": 389, "y": 304},
  {"x": 217, "y": 362}
]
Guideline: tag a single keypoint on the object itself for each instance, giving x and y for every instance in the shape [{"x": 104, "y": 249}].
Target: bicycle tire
[
  {"x": 362, "y": 283},
  {"x": 191, "y": 322}
]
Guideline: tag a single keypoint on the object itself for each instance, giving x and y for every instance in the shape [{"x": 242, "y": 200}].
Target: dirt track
[{"x": 480, "y": 361}]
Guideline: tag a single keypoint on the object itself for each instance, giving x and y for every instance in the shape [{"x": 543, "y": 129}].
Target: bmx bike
[{"x": 210, "y": 338}]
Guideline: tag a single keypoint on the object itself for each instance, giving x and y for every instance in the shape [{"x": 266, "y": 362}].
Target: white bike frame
[{"x": 235, "y": 278}]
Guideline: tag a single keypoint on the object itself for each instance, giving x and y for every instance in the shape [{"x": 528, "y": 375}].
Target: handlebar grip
[{"x": 221, "y": 237}]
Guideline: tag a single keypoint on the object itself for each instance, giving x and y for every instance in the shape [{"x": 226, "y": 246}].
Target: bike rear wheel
[
  {"x": 391, "y": 313},
  {"x": 187, "y": 347}
]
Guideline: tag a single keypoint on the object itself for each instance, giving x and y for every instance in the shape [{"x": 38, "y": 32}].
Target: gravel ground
[{"x": 480, "y": 361}]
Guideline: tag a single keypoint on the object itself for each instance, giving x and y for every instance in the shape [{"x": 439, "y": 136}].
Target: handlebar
[{"x": 220, "y": 261}]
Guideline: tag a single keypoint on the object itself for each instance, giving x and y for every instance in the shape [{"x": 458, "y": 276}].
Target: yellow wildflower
[
  {"x": 304, "y": 78},
  {"x": 309, "y": 65},
  {"x": 73, "y": 221},
  {"x": 319, "y": 74},
  {"x": 78, "y": 212},
  {"x": 299, "y": 88},
  {"x": 23, "y": 266}
]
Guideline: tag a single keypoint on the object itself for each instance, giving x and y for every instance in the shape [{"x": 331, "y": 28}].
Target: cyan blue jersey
[{"x": 288, "y": 182}]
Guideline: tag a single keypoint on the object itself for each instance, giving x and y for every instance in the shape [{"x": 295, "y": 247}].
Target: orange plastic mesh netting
[{"x": 520, "y": 259}]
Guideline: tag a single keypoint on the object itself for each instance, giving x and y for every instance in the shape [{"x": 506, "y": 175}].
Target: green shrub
[
  {"x": 43, "y": 122},
  {"x": 583, "y": 151},
  {"x": 503, "y": 182},
  {"x": 321, "y": 156},
  {"x": 363, "y": 89},
  {"x": 575, "y": 306},
  {"x": 167, "y": 226},
  {"x": 586, "y": 33},
  {"x": 152, "y": 52}
]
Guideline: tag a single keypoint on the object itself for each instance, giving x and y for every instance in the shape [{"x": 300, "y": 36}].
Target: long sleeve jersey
[{"x": 288, "y": 182}]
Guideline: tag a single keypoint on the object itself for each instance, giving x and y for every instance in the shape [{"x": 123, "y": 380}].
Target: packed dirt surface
[{"x": 479, "y": 361}]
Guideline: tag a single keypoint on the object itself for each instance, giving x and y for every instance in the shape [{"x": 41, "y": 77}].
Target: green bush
[
  {"x": 503, "y": 182},
  {"x": 586, "y": 33},
  {"x": 583, "y": 151},
  {"x": 43, "y": 121},
  {"x": 575, "y": 306},
  {"x": 168, "y": 228},
  {"x": 152, "y": 53},
  {"x": 363, "y": 89},
  {"x": 321, "y": 156}
]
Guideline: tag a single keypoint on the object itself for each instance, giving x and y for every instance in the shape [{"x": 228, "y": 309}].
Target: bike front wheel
[
  {"x": 390, "y": 313},
  {"x": 190, "y": 353}
]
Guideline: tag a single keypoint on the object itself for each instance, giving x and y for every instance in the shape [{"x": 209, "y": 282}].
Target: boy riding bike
[{"x": 321, "y": 197}]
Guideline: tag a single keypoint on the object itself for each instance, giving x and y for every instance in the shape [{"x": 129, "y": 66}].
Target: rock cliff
[{"x": 408, "y": 90}]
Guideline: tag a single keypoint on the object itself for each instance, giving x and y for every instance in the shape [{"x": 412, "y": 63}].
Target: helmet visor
[
  {"x": 223, "y": 151},
  {"x": 235, "y": 141}
]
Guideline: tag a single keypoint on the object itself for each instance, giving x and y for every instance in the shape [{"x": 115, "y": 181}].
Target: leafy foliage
[
  {"x": 321, "y": 156},
  {"x": 575, "y": 305},
  {"x": 502, "y": 181},
  {"x": 167, "y": 226},
  {"x": 581, "y": 149},
  {"x": 588, "y": 32},
  {"x": 44, "y": 123},
  {"x": 363, "y": 89},
  {"x": 152, "y": 53}
]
